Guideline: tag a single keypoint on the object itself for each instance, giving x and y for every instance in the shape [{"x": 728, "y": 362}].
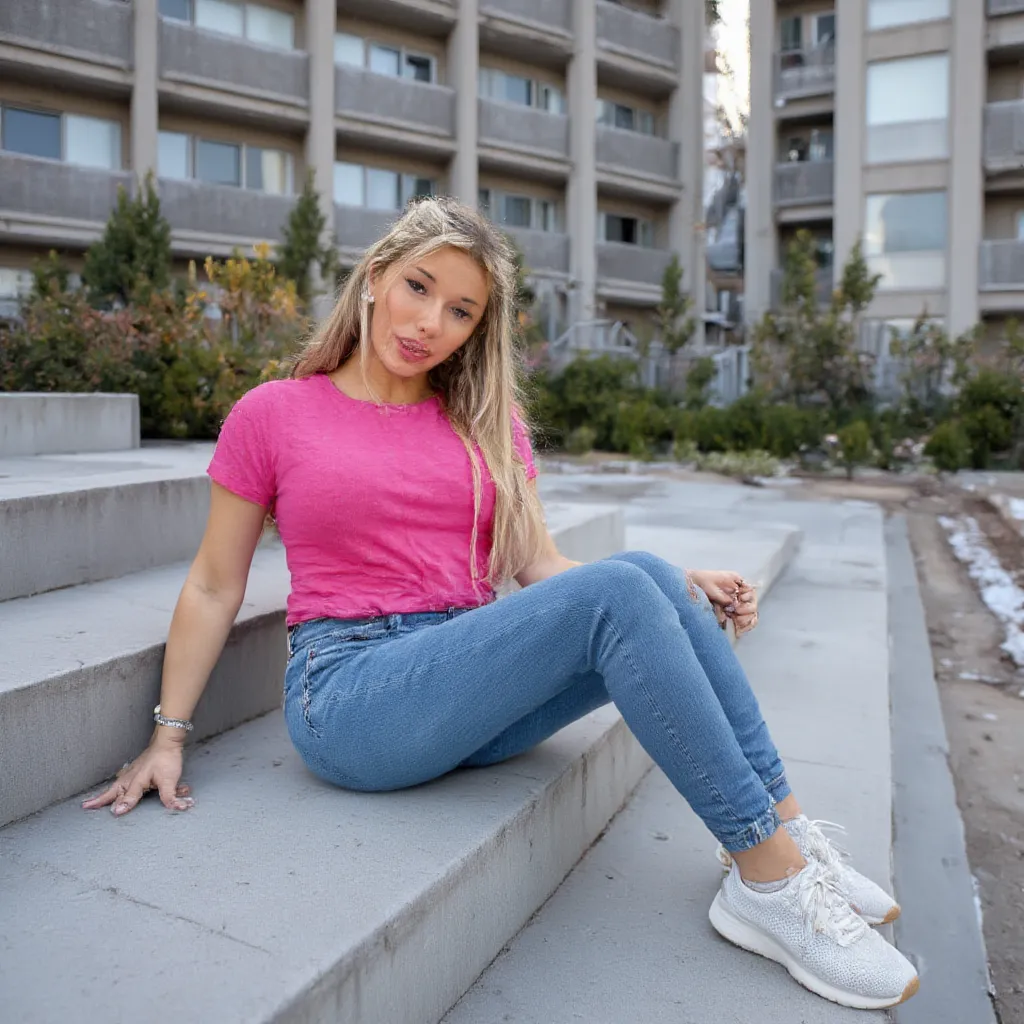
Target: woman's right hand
[{"x": 157, "y": 767}]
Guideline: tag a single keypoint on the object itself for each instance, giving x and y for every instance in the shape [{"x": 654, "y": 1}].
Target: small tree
[
  {"x": 303, "y": 245},
  {"x": 133, "y": 257},
  {"x": 807, "y": 351}
]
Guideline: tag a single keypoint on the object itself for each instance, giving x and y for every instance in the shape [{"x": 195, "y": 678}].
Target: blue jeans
[{"x": 395, "y": 701}]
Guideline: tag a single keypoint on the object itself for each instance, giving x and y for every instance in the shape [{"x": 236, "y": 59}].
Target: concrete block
[
  {"x": 81, "y": 667},
  {"x": 100, "y": 516},
  {"x": 34, "y": 423},
  {"x": 316, "y": 904}
]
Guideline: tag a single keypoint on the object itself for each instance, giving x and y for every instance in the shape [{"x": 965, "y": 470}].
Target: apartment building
[
  {"x": 576, "y": 124},
  {"x": 900, "y": 122}
]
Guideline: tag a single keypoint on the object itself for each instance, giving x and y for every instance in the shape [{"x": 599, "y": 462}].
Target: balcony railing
[
  {"x": 803, "y": 183},
  {"x": 47, "y": 188},
  {"x": 99, "y": 30},
  {"x": 639, "y": 34},
  {"x": 358, "y": 227},
  {"x": 526, "y": 128},
  {"x": 377, "y": 97},
  {"x": 996, "y": 7},
  {"x": 632, "y": 262},
  {"x": 822, "y": 286},
  {"x": 222, "y": 210},
  {"x": 1002, "y": 265},
  {"x": 808, "y": 72},
  {"x": 543, "y": 250},
  {"x": 555, "y": 13},
  {"x": 648, "y": 154},
  {"x": 1004, "y": 136},
  {"x": 194, "y": 55}
]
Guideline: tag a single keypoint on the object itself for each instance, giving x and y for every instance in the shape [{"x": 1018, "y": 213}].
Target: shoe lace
[
  {"x": 824, "y": 907},
  {"x": 820, "y": 847}
]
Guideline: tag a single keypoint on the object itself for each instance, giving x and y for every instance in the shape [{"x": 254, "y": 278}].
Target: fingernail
[
  {"x": 730, "y": 607},
  {"x": 119, "y": 808}
]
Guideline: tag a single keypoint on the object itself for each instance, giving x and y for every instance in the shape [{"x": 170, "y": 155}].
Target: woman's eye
[
  {"x": 416, "y": 286},
  {"x": 462, "y": 314}
]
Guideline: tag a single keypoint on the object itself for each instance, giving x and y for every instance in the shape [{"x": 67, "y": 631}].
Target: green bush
[
  {"x": 581, "y": 440},
  {"x": 855, "y": 445},
  {"x": 743, "y": 464},
  {"x": 949, "y": 447}
]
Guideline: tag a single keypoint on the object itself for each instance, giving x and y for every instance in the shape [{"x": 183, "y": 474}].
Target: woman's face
[{"x": 429, "y": 310}]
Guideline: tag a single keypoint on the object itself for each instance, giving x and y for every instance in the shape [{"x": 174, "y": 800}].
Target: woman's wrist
[{"x": 167, "y": 736}]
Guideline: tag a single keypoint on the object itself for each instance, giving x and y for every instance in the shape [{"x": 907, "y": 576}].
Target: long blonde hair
[{"x": 479, "y": 386}]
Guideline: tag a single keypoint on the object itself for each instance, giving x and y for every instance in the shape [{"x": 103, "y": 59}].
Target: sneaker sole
[
  {"x": 725, "y": 859},
  {"x": 746, "y": 936}
]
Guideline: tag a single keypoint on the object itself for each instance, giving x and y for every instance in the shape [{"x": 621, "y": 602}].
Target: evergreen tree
[
  {"x": 134, "y": 254},
  {"x": 303, "y": 244}
]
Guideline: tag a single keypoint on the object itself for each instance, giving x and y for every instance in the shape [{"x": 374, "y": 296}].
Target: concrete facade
[
  {"x": 841, "y": 127},
  {"x": 305, "y": 99}
]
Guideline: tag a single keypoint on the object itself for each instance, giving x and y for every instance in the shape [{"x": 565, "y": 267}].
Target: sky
[{"x": 733, "y": 44}]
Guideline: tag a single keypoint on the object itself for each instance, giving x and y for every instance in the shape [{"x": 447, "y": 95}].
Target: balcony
[
  {"x": 549, "y": 13},
  {"x": 358, "y": 228},
  {"x": 236, "y": 213},
  {"x": 78, "y": 197},
  {"x": 1002, "y": 265},
  {"x": 634, "y": 152},
  {"x": 1004, "y": 136},
  {"x": 543, "y": 250},
  {"x": 632, "y": 262},
  {"x": 509, "y": 125},
  {"x": 804, "y": 183},
  {"x": 803, "y": 73},
  {"x": 635, "y": 34},
  {"x": 370, "y": 96},
  {"x": 823, "y": 286},
  {"x": 95, "y": 30},
  {"x": 194, "y": 56},
  {"x": 997, "y": 7}
]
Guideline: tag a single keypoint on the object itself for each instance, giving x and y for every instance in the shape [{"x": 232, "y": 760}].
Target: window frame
[
  {"x": 872, "y": 256},
  {"x": 244, "y": 148},
  {"x": 404, "y": 54},
  {"x": 643, "y": 227},
  {"x": 245, "y": 5},
  {"x": 891, "y": 26},
  {"x": 537, "y": 89},
  {"x": 496, "y": 198},
  {"x": 62, "y": 126},
  {"x": 405, "y": 186}
]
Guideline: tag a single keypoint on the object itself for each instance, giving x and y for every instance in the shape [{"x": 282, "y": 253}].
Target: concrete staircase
[{"x": 277, "y": 898}]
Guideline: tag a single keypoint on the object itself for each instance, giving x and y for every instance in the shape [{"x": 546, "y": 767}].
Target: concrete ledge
[
  {"x": 34, "y": 423},
  {"x": 81, "y": 668},
  {"x": 281, "y": 898}
]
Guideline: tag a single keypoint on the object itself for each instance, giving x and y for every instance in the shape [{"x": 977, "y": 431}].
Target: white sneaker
[
  {"x": 809, "y": 928},
  {"x": 869, "y": 900}
]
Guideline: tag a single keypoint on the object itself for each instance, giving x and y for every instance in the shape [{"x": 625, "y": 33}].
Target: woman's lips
[{"x": 412, "y": 351}]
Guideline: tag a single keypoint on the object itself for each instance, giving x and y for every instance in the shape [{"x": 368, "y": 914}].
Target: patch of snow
[
  {"x": 975, "y": 677},
  {"x": 999, "y": 592},
  {"x": 1016, "y": 506}
]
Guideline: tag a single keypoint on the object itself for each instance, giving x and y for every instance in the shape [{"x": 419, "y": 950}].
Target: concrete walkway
[{"x": 626, "y": 938}]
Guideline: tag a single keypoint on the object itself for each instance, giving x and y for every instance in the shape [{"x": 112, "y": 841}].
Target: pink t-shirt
[{"x": 374, "y": 504}]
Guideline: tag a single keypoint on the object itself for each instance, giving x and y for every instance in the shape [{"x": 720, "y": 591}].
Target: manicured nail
[{"x": 119, "y": 808}]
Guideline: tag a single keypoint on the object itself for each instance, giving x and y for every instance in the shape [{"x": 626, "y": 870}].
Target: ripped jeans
[{"x": 394, "y": 701}]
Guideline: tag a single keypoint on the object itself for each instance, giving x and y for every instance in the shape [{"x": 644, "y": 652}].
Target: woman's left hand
[{"x": 731, "y": 596}]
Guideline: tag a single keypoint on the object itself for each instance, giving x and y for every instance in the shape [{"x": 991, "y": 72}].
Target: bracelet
[{"x": 174, "y": 723}]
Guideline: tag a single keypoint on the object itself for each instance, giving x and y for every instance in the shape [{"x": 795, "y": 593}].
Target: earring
[{"x": 367, "y": 297}]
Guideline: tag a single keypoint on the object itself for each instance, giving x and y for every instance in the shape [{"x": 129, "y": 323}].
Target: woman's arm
[
  {"x": 548, "y": 563},
  {"x": 203, "y": 616}
]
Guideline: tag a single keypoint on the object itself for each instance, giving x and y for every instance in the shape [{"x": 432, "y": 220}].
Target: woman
[{"x": 402, "y": 482}]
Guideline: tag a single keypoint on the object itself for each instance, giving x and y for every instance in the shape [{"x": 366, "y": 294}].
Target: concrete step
[
  {"x": 81, "y": 668},
  {"x": 280, "y": 898},
  {"x": 36, "y": 423},
  {"x": 99, "y": 516},
  {"x": 627, "y": 937}
]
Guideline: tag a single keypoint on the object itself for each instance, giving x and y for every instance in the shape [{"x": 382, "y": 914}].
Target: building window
[
  {"x": 1020, "y": 225},
  {"x": 519, "y": 211},
  {"x": 377, "y": 188},
  {"x": 791, "y": 33},
  {"x": 905, "y": 239},
  {"x": 890, "y": 13},
  {"x": 507, "y": 88},
  {"x": 632, "y": 119},
  {"x": 613, "y": 227},
  {"x": 908, "y": 109},
  {"x": 268, "y": 26},
  {"x": 73, "y": 138},
  {"x": 814, "y": 147},
  {"x": 383, "y": 59},
  {"x": 183, "y": 157}
]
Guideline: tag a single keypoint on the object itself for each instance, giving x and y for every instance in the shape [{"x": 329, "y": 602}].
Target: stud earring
[{"x": 367, "y": 297}]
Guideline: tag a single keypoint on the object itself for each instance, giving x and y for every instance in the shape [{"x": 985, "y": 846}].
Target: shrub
[
  {"x": 855, "y": 446},
  {"x": 581, "y": 440},
  {"x": 640, "y": 424},
  {"x": 744, "y": 464},
  {"x": 949, "y": 447}
]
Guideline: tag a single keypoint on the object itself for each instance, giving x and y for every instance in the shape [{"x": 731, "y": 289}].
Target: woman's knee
[
  {"x": 619, "y": 586},
  {"x": 674, "y": 582}
]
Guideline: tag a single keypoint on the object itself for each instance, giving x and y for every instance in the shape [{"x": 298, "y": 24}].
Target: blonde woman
[{"x": 399, "y": 472}]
